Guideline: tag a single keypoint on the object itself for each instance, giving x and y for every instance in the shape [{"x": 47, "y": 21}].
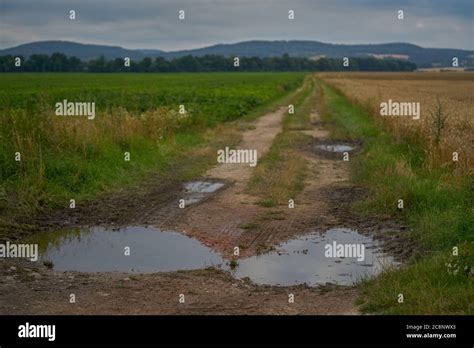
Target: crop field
[
  {"x": 148, "y": 115},
  {"x": 442, "y": 133},
  {"x": 215, "y": 96}
]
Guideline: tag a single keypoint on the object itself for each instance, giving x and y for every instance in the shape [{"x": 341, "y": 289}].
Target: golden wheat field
[{"x": 446, "y": 123}]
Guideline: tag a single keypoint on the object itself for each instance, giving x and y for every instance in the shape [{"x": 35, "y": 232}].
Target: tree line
[{"x": 59, "y": 62}]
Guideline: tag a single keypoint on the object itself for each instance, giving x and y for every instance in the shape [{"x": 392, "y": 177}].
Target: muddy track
[
  {"x": 206, "y": 291},
  {"x": 217, "y": 221},
  {"x": 324, "y": 203}
]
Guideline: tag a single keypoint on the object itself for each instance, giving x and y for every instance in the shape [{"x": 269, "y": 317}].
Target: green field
[
  {"x": 212, "y": 96},
  {"x": 70, "y": 156}
]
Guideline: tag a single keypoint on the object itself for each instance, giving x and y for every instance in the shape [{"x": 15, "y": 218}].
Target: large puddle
[
  {"x": 340, "y": 256},
  {"x": 130, "y": 249}
]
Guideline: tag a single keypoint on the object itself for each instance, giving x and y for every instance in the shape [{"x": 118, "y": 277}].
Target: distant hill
[
  {"x": 82, "y": 51},
  {"x": 423, "y": 57}
]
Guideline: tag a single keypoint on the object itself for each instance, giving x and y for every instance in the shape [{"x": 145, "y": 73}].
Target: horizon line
[{"x": 234, "y": 43}]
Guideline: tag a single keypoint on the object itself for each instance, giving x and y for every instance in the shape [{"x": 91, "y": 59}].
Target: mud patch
[
  {"x": 100, "y": 249},
  {"x": 393, "y": 234},
  {"x": 304, "y": 261}
]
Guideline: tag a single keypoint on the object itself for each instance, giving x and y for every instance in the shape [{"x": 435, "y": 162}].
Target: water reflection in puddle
[
  {"x": 304, "y": 260},
  {"x": 196, "y": 191},
  {"x": 298, "y": 261},
  {"x": 203, "y": 186},
  {"x": 99, "y": 249},
  {"x": 335, "y": 148}
]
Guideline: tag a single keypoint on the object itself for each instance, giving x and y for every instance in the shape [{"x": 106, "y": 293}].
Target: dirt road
[{"x": 217, "y": 222}]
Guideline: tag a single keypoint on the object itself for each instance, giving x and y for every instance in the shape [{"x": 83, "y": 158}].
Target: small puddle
[
  {"x": 203, "y": 186},
  {"x": 196, "y": 191},
  {"x": 303, "y": 260},
  {"x": 99, "y": 249},
  {"x": 335, "y": 147}
]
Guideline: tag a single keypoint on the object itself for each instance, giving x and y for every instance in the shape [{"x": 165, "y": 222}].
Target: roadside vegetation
[
  {"x": 72, "y": 157},
  {"x": 438, "y": 201}
]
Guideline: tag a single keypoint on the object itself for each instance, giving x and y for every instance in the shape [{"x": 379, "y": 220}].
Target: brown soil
[{"x": 209, "y": 291}]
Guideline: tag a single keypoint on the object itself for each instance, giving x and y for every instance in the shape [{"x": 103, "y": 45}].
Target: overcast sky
[{"x": 155, "y": 24}]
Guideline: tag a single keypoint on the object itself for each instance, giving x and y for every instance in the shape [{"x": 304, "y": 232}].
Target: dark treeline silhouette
[{"x": 59, "y": 62}]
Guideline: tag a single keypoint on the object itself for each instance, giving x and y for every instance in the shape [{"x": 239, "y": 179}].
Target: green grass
[
  {"x": 438, "y": 208},
  {"x": 73, "y": 157}
]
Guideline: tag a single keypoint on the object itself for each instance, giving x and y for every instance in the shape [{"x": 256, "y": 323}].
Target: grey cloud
[{"x": 154, "y": 24}]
